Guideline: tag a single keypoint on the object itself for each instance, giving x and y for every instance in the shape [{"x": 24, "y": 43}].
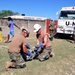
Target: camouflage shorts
[
  {"x": 45, "y": 54},
  {"x": 17, "y": 59}
]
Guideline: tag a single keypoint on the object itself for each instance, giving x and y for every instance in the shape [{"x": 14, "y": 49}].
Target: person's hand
[
  {"x": 40, "y": 44},
  {"x": 27, "y": 46},
  {"x": 29, "y": 53}
]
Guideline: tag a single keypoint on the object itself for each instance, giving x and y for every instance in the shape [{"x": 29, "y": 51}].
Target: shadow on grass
[{"x": 68, "y": 38}]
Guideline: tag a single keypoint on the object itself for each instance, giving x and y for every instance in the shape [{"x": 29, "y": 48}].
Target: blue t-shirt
[{"x": 11, "y": 23}]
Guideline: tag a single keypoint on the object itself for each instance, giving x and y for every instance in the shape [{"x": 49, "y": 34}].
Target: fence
[{"x": 20, "y": 22}]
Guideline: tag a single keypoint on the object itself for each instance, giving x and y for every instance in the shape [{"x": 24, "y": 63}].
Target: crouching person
[
  {"x": 43, "y": 48},
  {"x": 14, "y": 50}
]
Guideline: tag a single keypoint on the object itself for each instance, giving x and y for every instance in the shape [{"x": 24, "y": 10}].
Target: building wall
[{"x": 20, "y": 22}]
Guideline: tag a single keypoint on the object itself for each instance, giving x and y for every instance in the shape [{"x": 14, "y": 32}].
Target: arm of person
[
  {"x": 24, "y": 48},
  {"x": 16, "y": 26},
  {"x": 45, "y": 40},
  {"x": 27, "y": 51},
  {"x": 9, "y": 25},
  {"x": 38, "y": 42}
]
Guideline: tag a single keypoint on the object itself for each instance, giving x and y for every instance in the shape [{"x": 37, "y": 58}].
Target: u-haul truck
[{"x": 66, "y": 20}]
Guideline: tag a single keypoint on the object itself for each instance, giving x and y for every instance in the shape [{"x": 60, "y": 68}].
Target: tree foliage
[{"x": 5, "y": 13}]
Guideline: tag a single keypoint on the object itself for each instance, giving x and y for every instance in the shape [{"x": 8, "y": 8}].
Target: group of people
[{"x": 18, "y": 49}]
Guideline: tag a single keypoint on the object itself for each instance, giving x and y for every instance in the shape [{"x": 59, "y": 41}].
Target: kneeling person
[
  {"x": 43, "y": 44},
  {"x": 14, "y": 50}
]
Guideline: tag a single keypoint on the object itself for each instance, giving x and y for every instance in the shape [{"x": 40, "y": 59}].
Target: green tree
[{"x": 5, "y": 13}]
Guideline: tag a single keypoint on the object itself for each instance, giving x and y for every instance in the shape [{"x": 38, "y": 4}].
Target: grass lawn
[{"x": 62, "y": 64}]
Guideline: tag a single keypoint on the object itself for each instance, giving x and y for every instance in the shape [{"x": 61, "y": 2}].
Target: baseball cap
[{"x": 26, "y": 31}]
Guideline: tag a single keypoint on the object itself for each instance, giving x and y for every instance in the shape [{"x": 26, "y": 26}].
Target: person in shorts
[{"x": 11, "y": 25}]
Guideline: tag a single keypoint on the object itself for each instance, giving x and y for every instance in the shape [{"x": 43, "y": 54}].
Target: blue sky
[{"x": 43, "y": 8}]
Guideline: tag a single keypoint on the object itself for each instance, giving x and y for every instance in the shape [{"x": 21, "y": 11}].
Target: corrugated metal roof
[{"x": 27, "y": 17}]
